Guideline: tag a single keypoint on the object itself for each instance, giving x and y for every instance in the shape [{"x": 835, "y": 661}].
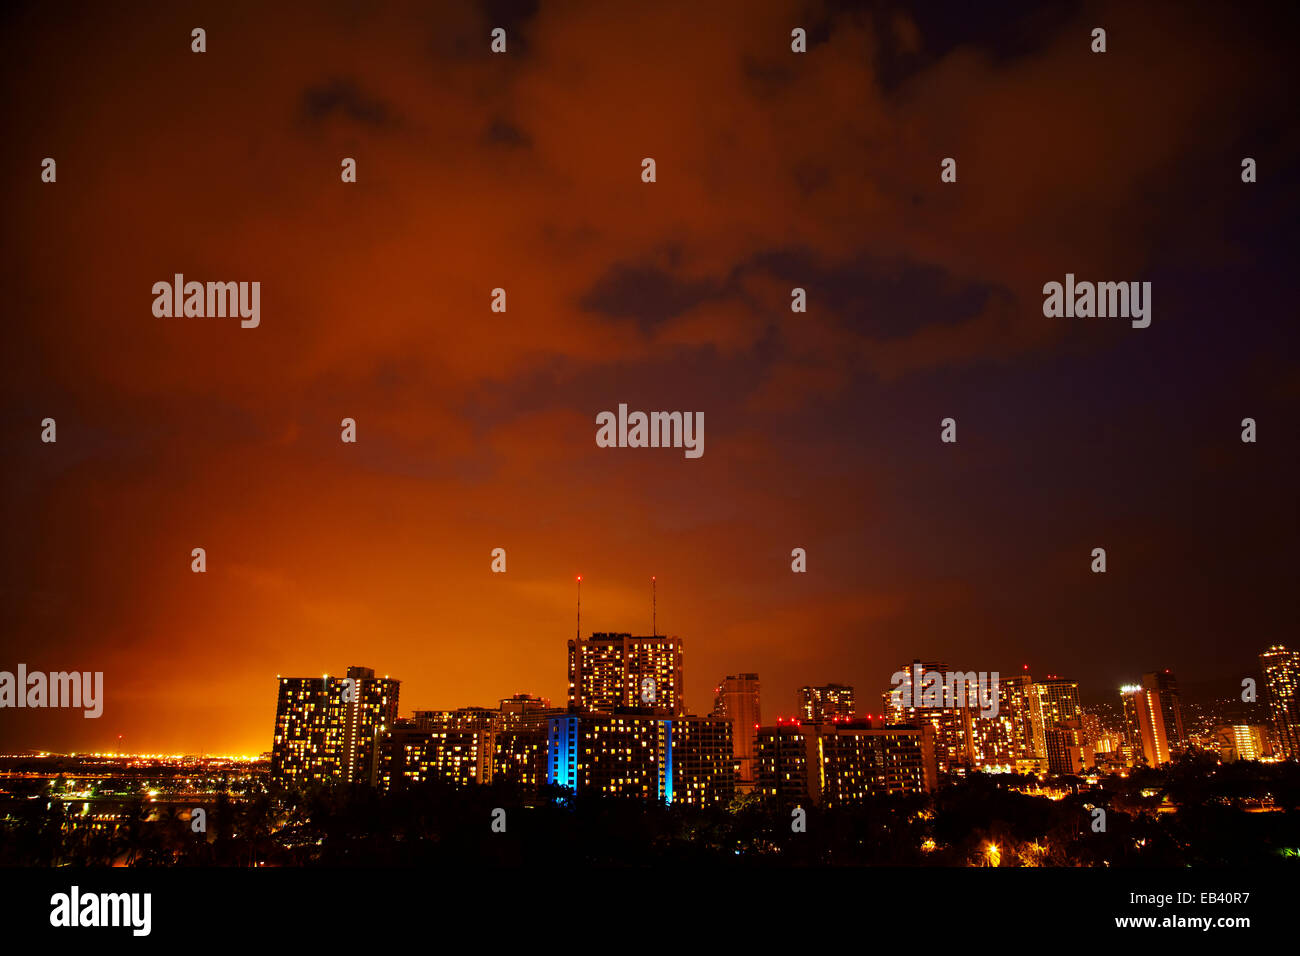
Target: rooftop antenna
[
  {"x": 579, "y": 607},
  {"x": 654, "y": 602}
]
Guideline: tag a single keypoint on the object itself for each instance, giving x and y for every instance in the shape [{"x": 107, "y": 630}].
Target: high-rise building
[
  {"x": 452, "y": 746},
  {"x": 991, "y": 739},
  {"x": 1020, "y": 699},
  {"x": 331, "y": 728},
  {"x": 472, "y": 745},
  {"x": 399, "y": 752},
  {"x": 608, "y": 671},
  {"x": 457, "y": 746},
  {"x": 1132, "y": 724},
  {"x": 825, "y": 702},
  {"x": 1059, "y": 700},
  {"x": 1242, "y": 742},
  {"x": 1281, "y": 669},
  {"x": 840, "y": 763},
  {"x": 736, "y": 698},
  {"x": 520, "y": 744},
  {"x": 1092, "y": 728},
  {"x": 1062, "y": 724},
  {"x": 922, "y": 698},
  {"x": 1165, "y": 687},
  {"x": 1144, "y": 724},
  {"x": 859, "y": 761},
  {"x": 781, "y": 762},
  {"x": 978, "y": 720},
  {"x": 475, "y": 718},
  {"x": 638, "y": 752},
  {"x": 701, "y": 761}
]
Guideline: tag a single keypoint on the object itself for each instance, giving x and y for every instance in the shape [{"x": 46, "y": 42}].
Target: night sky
[{"x": 476, "y": 430}]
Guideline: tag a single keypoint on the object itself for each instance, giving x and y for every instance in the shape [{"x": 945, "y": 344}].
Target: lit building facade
[
  {"x": 637, "y": 752},
  {"x": 1165, "y": 686},
  {"x": 964, "y": 739},
  {"x": 454, "y": 746},
  {"x": 858, "y": 761},
  {"x": 701, "y": 761},
  {"x": 1242, "y": 742},
  {"x": 332, "y": 728},
  {"x": 991, "y": 742},
  {"x": 609, "y": 671},
  {"x": 781, "y": 763},
  {"x": 1019, "y": 699},
  {"x": 841, "y": 763},
  {"x": 1281, "y": 670},
  {"x": 826, "y": 701},
  {"x": 1144, "y": 724},
  {"x": 737, "y": 699},
  {"x": 1061, "y": 720},
  {"x": 520, "y": 742}
]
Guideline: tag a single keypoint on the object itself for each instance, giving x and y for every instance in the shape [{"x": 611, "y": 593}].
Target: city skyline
[
  {"x": 959, "y": 769},
  {"x": 704, "y": 690},
  {"x": 616, "y": 737},
  {"x": 703, "y": 701}
]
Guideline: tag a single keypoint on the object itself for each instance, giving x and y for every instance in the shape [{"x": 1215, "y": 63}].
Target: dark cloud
[
  {"x": 344, "y": 97},
  {"x": 876, "y": 298},
  {"x": 648, "y": 294},
  {"x": 910, "y": 37}
]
